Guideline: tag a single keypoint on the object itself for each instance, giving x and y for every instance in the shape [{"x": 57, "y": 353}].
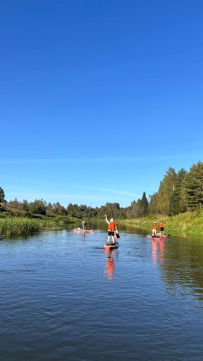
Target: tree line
[{"x": 178, "y": 193}]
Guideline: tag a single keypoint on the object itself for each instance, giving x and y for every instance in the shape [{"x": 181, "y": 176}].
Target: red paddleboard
[
  {"x": 83, "y": 230},
  {"x": 155, "y": 238},
  {"x": 111, "y": 245},
  {"x": 161, "y": 235}
]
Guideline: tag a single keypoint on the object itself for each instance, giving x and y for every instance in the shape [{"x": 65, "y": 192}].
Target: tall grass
[
  {"x": 189, "y": 222},
  {"x": 12, "y": 226},
  {"x": 17, "y": 226}
]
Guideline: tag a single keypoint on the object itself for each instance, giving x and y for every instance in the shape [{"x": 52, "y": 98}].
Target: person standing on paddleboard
[
  {"x": 115, "y": 222},
  {"x": 111, "y": 229},
  {"x": 84, "y": 224},
  {"x": 161, "y": 227},
  {"x": 154, "y": 229},
  {"x": 116, "y": 234}
]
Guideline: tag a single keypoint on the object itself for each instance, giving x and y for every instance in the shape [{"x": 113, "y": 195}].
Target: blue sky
[{"x": 98, "y": 97}]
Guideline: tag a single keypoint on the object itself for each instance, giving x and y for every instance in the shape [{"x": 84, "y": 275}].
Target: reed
[{"x": 17, "y": 226}]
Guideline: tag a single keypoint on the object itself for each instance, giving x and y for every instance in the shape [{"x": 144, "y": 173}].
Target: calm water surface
[{"x": 63, "y": 297}]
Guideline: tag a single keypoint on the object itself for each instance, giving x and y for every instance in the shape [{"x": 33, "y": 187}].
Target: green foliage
[
  {"x": 2, "y": 195},
  {"x": 178, "y": 193},
  {"x": 194, "y": 186},
  {"x": 139, "y": 208},
  {"x": 38, "y": 207},
  {"x": 144, "y": 205},
  {"x": 174, "y": 207},
  {"x": 167, "y": 187},
  {"x": 18, "y": 226},
  {"x": 14, "y": 226}
]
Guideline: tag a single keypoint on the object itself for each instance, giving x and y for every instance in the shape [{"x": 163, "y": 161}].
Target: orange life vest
[
  {"x": 154, "y": 226},
  {"x": 161, "y": 224},
  {"x": 115, "y": 222},
  {"x": 111, "y": 226}
]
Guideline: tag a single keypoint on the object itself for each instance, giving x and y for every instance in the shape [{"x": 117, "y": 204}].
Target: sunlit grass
[
  {"x": 189, "y": 222},
  {"x": 17, "y": 226}
]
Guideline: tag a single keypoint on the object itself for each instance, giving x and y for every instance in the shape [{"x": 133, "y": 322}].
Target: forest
[{"x": 179, "y": 192}]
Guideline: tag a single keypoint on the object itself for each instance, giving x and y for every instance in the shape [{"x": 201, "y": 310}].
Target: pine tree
[
  {"x": 194, "y": 186},
  {"x": 144, "y": 205},
  {"x": 176, "y": 203},
  {"x": 167, "y": 187},
  {"x": 2, "y": 195}
]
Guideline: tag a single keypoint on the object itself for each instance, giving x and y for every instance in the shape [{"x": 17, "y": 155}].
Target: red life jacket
[
  {"x": 154, "y": 226},
  {"x": 111, "y": 226}
]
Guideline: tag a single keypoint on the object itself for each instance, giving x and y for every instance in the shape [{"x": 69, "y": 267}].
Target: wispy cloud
[
  {"x": 96, "y": 160},
  {"x": 31, "y": 192},
  {"x": 110, "y": 190}
]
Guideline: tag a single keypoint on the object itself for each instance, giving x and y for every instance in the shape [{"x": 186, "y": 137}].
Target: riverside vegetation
[
  {"x": 178, "y": 202},
  {"x": 188, "y": 223},
  {"x": 17, "y": 226}
]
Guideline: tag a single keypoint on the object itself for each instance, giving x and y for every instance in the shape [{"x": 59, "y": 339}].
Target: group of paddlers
[
  {"x": 154, "y": 228},
  {"x": 112, "y": 229}
]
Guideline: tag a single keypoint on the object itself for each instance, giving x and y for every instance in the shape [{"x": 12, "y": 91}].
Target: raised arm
[{"x": 106, "y": 219}]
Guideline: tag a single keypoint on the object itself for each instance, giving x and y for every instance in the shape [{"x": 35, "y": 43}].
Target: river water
[{"x": 63, "y": 297}]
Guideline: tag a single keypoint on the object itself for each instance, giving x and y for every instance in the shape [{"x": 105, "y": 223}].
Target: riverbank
[
  {"x": 189, "y": 222},
  {"x": 19, "y": 226}
]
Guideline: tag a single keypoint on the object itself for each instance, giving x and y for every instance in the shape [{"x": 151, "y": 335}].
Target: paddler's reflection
[
  {"x": 157, "y": 246},
  {"x": 161, "y": 250},
  {"x": 110, "y": 263}
]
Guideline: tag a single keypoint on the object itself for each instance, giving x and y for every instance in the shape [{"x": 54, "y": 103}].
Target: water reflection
[
  {"x": 183, "y": 267},
  {"x": 110, "y": 263},
  {"x": 158, "y": 251},
  {"x": 53, "y": 298}
]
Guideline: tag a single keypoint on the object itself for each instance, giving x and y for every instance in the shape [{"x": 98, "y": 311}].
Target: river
[{"x": 63, "y": 297}]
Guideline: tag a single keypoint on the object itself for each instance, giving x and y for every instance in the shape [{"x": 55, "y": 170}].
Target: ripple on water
[{"x": 63, "y": 297}]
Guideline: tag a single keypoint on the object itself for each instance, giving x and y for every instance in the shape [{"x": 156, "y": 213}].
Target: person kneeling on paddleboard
[
  {"x": 154, "y": 229},
  {"x": 111, "y": 229}
]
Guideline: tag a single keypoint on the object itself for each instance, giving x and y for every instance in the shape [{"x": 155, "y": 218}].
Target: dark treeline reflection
[{"x": 181, "y": 263}]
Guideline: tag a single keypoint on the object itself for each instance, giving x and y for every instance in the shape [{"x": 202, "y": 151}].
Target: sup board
[
  {"x": 155, "y": 238},
  {"x": 83, "y": 230},
  {"x": 111, "y": 245},
  {"x": 162, "y": 235}
]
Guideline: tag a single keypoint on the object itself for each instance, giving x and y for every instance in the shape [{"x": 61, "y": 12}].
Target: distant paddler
[
  {"x": 161, "y": 227},
  {"x": 84, "y": 224},
  {"x": 154, "y": 229}
]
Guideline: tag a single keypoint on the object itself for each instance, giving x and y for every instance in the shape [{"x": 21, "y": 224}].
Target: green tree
[
  {"x": 2, "y": 195},
  {"x": 153, "y": 204},
  {"x": 144, "y": 205},
  {"x": 194, "y": 186},
  {"x": 167, "y": 187},
  {"x": 38, "y": 207},
  {"x": 25, "y": 205},
  {"x": 176, "y": 202}
]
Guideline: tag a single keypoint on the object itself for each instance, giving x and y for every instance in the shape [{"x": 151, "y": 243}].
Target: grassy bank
[
  {"x": 190, "y": 222},
  {"x": 17, "y": 226}
]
